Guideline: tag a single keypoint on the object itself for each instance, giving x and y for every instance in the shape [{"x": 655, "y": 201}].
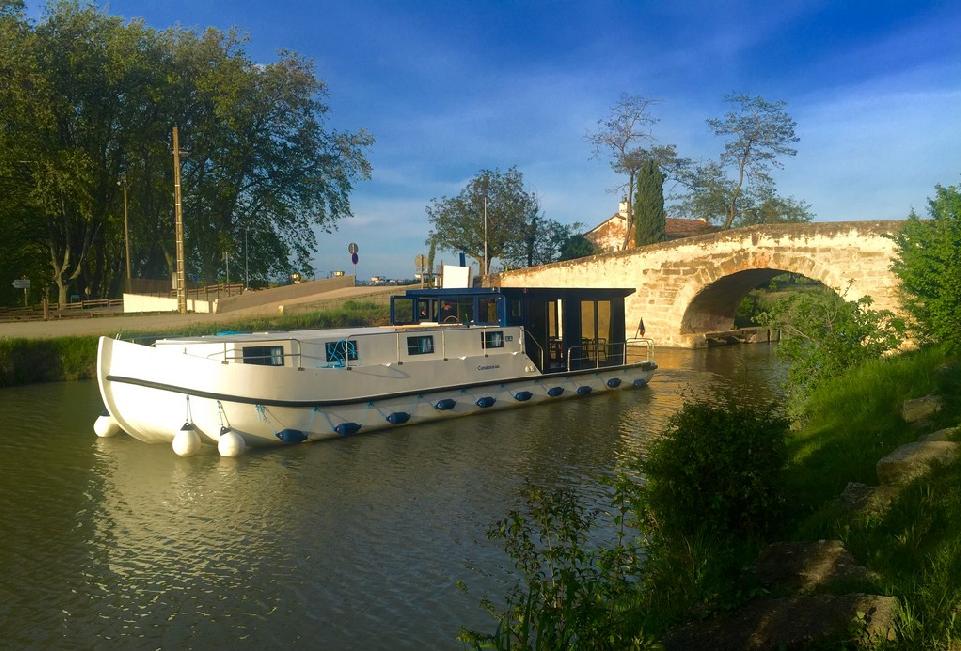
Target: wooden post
[{"x": 179, "y": 229}]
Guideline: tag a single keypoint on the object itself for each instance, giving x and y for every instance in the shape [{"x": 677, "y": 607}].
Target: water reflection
[{"x": 348, "y": 544}]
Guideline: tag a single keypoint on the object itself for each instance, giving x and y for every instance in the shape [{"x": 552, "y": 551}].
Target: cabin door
[{"x": 545, "y": 327}]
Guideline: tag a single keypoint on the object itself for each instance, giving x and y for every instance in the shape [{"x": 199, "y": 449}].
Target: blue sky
[{"x": 448, "y": 88}]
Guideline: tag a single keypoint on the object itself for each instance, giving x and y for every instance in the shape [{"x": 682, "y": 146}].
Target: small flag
[{"x": 640, "y": 328}]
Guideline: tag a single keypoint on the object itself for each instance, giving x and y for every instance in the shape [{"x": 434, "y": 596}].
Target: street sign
[
  {"x": 22, "y": 283},
  {"x": 354, "y": 258},
  {"x": 352, "y": 248}
]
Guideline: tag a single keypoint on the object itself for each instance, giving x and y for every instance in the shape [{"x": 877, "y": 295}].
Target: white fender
[
  {"x": 231, "y": 444},
  {"x": 186, "y": 442},
  {"x": 106, "y": 426}
]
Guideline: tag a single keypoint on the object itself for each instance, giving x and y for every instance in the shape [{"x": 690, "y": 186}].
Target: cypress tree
[{"x": 649, "y": 217}]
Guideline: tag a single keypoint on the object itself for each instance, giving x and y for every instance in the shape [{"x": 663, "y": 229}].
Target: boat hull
[{"x": 157, "y": 411}]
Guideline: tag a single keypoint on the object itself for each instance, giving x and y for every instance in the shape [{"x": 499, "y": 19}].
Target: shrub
[
  {"x": 571, "y": 594},
  {"x": 824, "y": 335},
  {"x": 928, "y": 262},
  {"x": 716, "y": 471}
]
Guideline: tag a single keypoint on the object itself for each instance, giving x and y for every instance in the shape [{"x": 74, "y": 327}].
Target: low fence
[{"x": 76, "y": 309}]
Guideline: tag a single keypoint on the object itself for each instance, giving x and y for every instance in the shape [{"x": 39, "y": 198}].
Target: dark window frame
[
  {"x": 414, "y": 345},
  {"x": 346, "y": 349},
  {"x": 486, "y": 339},
  {"x": 263, "y": 355}
]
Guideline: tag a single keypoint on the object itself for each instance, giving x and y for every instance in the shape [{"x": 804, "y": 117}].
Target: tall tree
[
  {"x": 89, "y": 98},
  {"x": 758, "y": 133},
  {"x": 649, "y": 205},
  {"x": 457, "y": 223},
  {"x": 626, "y": 135},
  {"x": 542, "y": 242},
  {"x": 738, "y": 188}
]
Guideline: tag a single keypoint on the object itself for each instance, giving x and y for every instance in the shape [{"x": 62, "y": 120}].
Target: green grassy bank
[
  {"x": 914, "y": 546},
  {"x": 25, "y": 361}
]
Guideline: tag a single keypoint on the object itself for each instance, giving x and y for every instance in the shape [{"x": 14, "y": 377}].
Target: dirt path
[{"x": 111, "y": 325}]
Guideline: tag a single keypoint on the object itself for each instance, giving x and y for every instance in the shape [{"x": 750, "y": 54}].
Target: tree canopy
[
  {"x": 649, "y": 215},
  {"x": 738, "y": 188},
  {"x": 626, "y": 135},
  {"x": 87, "y": 106},
  {"x": 928, "y": 263}
]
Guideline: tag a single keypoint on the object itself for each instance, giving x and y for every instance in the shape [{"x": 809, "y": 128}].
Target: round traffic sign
[
  {"x": 352, "y": 248},
  {"x": 354, "y": 258}
]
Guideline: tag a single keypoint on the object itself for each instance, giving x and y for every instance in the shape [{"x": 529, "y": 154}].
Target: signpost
[
  {"x": 24, "y": 284},
  {"x": 353, "y": 249}
]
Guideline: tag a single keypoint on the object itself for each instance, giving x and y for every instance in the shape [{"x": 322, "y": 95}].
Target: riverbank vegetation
[
  {"x": 26, "y": 361},
  {"x": 724, "y": 481}
]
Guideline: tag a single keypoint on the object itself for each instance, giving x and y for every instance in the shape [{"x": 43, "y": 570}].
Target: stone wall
[{"x": 690, "y": 286}]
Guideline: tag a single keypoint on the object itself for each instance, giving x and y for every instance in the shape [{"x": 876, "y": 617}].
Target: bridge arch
[{"x": 687, "y": 287}]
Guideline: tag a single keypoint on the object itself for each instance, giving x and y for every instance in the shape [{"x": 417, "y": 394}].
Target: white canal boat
[{"x": 446, "y": 353}]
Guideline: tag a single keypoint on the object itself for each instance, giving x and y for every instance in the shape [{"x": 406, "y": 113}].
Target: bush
[
  {"x": 716, "y": 472},
  {"x": 928, "y": 263},
  {"x": 824, "y": 336},
  {"x": 572, "y": 594}
]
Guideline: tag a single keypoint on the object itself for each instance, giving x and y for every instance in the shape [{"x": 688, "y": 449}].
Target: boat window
[
  {"x": 426, "y": 310},
  {"x": 456, "y": 310},
  {"x": 604, "y": 321},
  {"x": 402, "y": 311},
  {"x": 487, "y": 311},
  {"x": 341, "y": 351},
  {"x": 514, "y": 311},
  {"x": 421, "y": 345},
  {"x": 264, "y": 355},
  {"x": 494, "y": 339},
  {"x": 596, "y": 329}
]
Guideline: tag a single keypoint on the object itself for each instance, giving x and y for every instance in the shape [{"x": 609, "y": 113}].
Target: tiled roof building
[{"x": 609, "y": 234}]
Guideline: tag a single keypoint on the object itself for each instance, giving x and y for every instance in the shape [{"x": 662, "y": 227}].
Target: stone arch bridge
[{"x": 688, "y": 287}]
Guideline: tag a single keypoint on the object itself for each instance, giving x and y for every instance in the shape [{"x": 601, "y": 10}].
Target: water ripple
[{"x": 347, "y": 544}]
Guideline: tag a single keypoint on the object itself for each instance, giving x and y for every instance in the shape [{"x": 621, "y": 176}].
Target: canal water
[{"x": 347, "y": 544}]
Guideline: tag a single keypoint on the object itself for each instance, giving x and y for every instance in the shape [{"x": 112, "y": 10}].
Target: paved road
[{"x": 111, "y": 325}]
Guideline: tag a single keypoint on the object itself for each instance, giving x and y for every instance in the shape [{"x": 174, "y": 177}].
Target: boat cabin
[{"x": 564, "y": 328}]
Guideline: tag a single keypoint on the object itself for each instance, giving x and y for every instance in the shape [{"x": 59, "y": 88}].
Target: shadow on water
[{"x": 350, "y": 544}]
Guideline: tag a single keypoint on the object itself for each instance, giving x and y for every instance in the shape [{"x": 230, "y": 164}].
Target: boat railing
[
  {"x": 528, "y": 337},
  {"x": 598, "y": 354},
  {"x": 296, "y": 349}
]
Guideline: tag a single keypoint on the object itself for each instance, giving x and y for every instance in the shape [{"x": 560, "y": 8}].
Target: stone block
[
  {"x": 946, "y": 434},
  {"x": 918, "y": 409},
  {"x": 793, "y": 623},
  {"x": 913, "y": 460},
  {"x": 864, "y": 499},
  {"x": 807, "y": 565}
]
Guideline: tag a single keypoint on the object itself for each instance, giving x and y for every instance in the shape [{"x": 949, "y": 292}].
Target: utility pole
[
  {"x": 126, "y": 230},
  {"x": 179, "y": 229},
  {"x": 246, "y": 268},
  {"x": 486, "y": 189},
  {"x": 227, "y": 263}
]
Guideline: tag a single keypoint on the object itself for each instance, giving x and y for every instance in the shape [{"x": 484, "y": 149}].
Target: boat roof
[
  {"x": 306, "y": 335},
  {"x": 599, "y": 292}
]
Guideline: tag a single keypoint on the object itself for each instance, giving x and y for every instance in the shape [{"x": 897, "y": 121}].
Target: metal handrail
[
  {"x": 297, "y": 346},
  {"x": 534, "y": 341},
  {"x": 611, "y": 351}
]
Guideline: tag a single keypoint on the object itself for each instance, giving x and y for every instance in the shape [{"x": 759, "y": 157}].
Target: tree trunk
[
  {"x": 629, "y": 235},
  {"x": 61, "y": 292}
]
